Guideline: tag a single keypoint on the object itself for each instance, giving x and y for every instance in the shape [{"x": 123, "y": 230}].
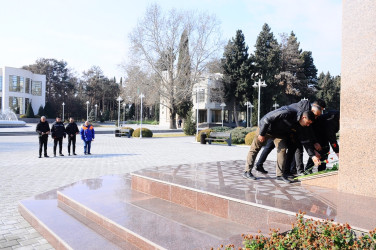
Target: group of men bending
[
  {"x": 289, "y": 129},
  {"x": 59, "y": 131}
]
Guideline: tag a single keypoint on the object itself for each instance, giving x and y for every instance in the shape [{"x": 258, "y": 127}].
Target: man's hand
[
  {"x": 261, "y": 138},
  {"x": 316, "y": 160},
  {"x": 47, "y": 132},
  {"x": 317, "y": 155},
  {"x": 317, "y": 146}
]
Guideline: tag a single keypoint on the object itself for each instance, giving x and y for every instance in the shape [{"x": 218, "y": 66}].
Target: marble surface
[{"x": 357, "y": 171}]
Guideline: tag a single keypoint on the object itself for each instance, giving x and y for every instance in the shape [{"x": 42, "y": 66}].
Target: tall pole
[
  {"x": 63, "y": 111},
  {"x": 259, "y": 84},
  {"x": 119, "y": 99},
  {"x": 251, "y": 115},
  {"x": 96, "y": 106},
  {"x": 223, "y": 105},
  {"x": 247, "y": 123},
  {"x": 141, "y": 96},
  {"x": 87, "y": 110}
]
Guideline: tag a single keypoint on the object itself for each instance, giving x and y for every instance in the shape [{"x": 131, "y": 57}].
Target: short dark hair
[
  {"x": 309, "y": 114},
  {"x": 320, "y": 102}
]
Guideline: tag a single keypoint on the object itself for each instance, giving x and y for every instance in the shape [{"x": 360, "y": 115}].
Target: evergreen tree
[
  {"x": 236, "y": 66},
  {"x": 291, "y": 75},
  {"x": 29, "y": 111},
  {"x": 189, "y": 125},
  {"x": 310, "y": 71},
  {"x": 49, "y": 111},
  {"x": 41, "y": 111},
  {"x": 266, "y": 58},
  {"x": 329, "y": 90},
  {"x": 184, "y": 76}
]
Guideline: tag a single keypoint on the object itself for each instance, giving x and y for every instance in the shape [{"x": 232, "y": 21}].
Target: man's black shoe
[
  {"x": 46, "y": 156},
  {"x": 261, "y": 169},
  {"x": 89, "y": 153},
  {"x": 54, "y": 155},
  {"x": 249, "y": 175},
  {"x": 61, "y": 154},
  {"x": 74, "y": 154},
  {"x": 283, "y": 178},
  {"x": 40, "y": 156}
]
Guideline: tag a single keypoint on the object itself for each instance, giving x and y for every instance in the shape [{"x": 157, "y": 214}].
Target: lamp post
[
  {"x": 250, "y": 120},
  {"x": 275, "y": 105},
  {"x": 223, "y": 105},
  {"x": 63, "y": 111},
  {"x": 124, "y": 104},
  {"x": 119, "y": 99},
  {"x": 87, "y": 110},
  {"x": 141, "y": 96},
  {"x": 247, "y": 104},
  {"x": 258, "y": 85},
  {"x": 96, "y": 106},
  {"x": 197, "y": 90}
]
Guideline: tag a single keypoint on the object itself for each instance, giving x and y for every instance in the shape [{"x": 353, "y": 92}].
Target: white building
[
  {"x": 207, "y": 99},
  {"x": 20, "y": 87}
]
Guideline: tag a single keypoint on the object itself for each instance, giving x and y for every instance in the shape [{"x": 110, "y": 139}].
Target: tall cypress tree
[
  {"x": 237, "y": 72},
  {"x": 267, "y": 57},
  {"x": 329, "y": 90},
  {"x": 29, "y": 111}
]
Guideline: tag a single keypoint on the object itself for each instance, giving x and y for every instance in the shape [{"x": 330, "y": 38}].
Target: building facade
[
  {"x": 20, "y": 87},
  {"x": 207, "y": 97}
]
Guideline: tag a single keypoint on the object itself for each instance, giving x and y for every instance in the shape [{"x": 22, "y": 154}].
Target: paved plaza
[{"x": 24, "y": 175}]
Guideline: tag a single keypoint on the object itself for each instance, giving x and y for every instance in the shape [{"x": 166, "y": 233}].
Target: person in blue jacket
[{"x": 87, "y": 135}]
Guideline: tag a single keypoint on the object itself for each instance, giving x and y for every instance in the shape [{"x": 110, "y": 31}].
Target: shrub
[
  {"x": 221, "y": 129},
  {"x": 249, "y": 137},
  {"x": 131, "y": 130},
  {"x": 310, "y": 234},
  {"x": 145, "y": 133},
  {"x": 238, "y": 134},
  {"x": 29, "y": 111},
  {"x": 41, "y": 111},
  {"x": 206, "y": 131},
  {"x": 189, "y": 127}
]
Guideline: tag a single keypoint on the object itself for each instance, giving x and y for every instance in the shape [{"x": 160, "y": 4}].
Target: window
[
  {"x": 201, "y": 96},
  {"x": 36, "y": 88},
  {"x": 27, "y": 85},
  {"x": 15, "y": 104},
  {"x": 16, "y": 83}
]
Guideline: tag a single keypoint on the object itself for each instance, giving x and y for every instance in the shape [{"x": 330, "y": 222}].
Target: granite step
[
  {"x": 64, "y": 228},
  {"x": 149, "y": 222}
]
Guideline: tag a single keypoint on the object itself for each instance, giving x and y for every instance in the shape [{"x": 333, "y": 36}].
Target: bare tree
[{"x": 155, "y": 44}]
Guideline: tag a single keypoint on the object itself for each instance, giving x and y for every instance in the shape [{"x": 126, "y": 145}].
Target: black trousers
[
  {"x": 72, "y": 140},
  {"x": 265, "y": 152},
  {"x": 43, "y": 143},
  {"x": 324, "y": 156},
  {"x": 60, "y": 140}
]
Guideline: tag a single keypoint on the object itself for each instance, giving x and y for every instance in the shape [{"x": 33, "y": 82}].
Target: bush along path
[{"x": 310, "y": 234}]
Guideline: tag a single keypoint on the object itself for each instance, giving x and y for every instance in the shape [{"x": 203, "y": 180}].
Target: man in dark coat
[
  {"x": 72, "y": 131},
  {"x": 58, "y": 132},
  {"x": 43, "y": 129},
  {"x": 278, "y": 126},
  {"x": 325, "y": 129}
]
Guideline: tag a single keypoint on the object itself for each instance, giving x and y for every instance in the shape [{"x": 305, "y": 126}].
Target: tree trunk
[{"x": 172, "y": 118}]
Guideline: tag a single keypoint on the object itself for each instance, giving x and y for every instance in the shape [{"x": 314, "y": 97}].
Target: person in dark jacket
[
  {"x": 72, "y": 131},
  {"x": 43, "y": 129},
  {"x": 277, "y": 125},
  {"x": 58, "y": 132},
  {"x": 87, "y": 135},
  {"x": 295, "y": 163},
  {"x": 326, "y": 128}
]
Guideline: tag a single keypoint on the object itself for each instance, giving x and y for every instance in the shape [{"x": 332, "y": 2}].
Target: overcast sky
[{"x": 95, "y": 32}]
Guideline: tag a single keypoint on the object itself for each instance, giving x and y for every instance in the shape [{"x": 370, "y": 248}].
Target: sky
[{"x": 87, "y": 33}]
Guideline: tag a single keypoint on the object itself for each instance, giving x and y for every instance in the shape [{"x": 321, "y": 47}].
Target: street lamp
[
  {"x": 275, "y": 105},
  {"x": 258, "y": 85},
  {"x": 223, "y": 105},
  {"x": 87, "y": 110},
  {"x": 124, "y": 104},
  {"x": 63, "y": 111},
  {"x": 251, "y": 106},
  {"x": 119, "y": 99},
  {"x": 141, "y": 96},
  {"x": 197, "y": 90},
  {"x": 96, "y": 106}
]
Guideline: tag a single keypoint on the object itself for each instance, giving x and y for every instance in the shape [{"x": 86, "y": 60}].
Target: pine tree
[
  {"x": 237, "y": 71},
  {"x": 266, "y": 58},
  {"x": 29, "y": 111},
  {"x": 291, "y": 75},
  {"x": 329, "y": 90},
  {"x": 49, "y": 111},
  {"x": 41, "y": 111}
]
